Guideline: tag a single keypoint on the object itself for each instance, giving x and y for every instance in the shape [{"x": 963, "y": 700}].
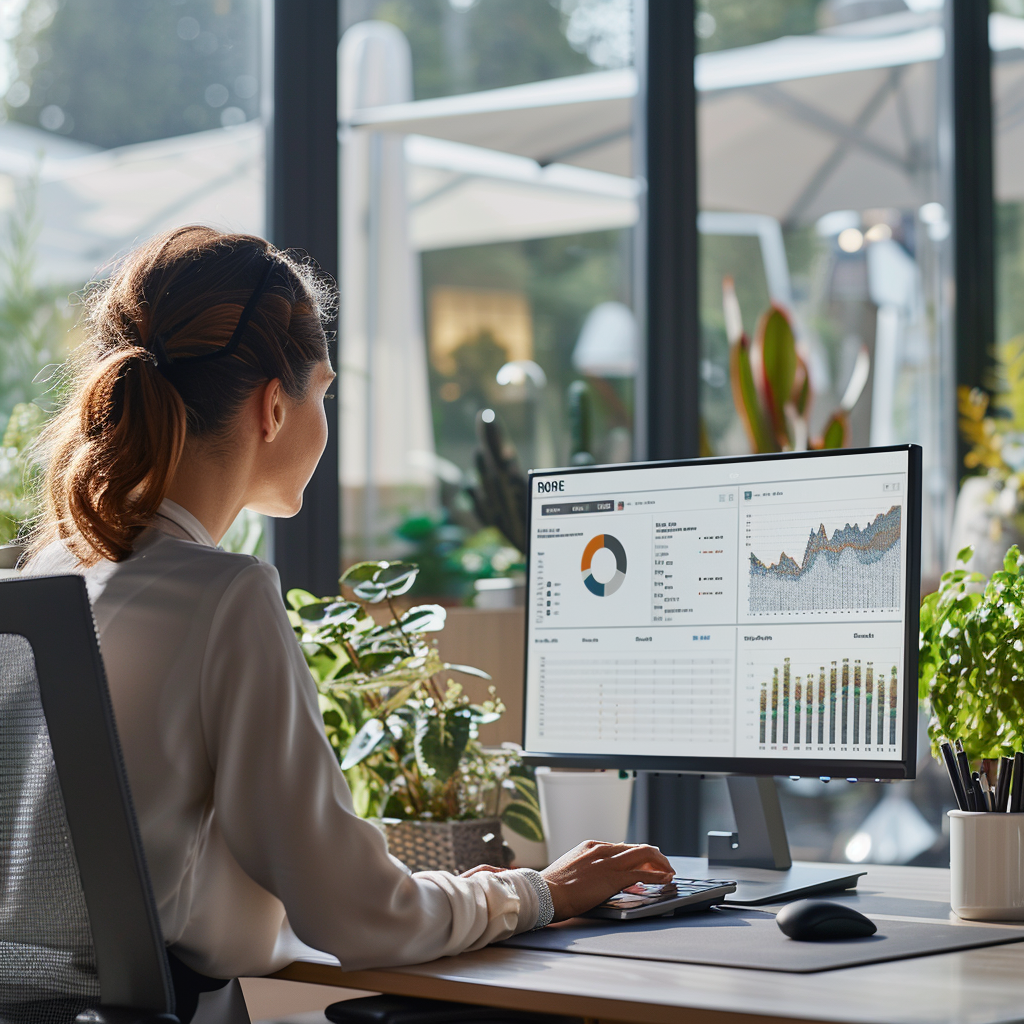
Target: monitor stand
[{"x": 757, "y": 854}]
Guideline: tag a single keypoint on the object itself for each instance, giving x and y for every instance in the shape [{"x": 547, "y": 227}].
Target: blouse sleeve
[{"x": 286, "y": 813}]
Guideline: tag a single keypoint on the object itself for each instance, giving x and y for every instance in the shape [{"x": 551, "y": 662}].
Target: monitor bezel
[{"x": 845, "y": 769}]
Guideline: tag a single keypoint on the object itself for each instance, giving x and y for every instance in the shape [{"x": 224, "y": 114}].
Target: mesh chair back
[
  {"x": 47, "y": 961},
  {"x": 78, "y": 926}
]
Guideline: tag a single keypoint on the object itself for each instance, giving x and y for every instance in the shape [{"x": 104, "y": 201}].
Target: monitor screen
[{"x": 754, "y": 615}]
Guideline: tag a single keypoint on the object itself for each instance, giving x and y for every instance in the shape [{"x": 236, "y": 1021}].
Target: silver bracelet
[{"x": 546, "y": 911}]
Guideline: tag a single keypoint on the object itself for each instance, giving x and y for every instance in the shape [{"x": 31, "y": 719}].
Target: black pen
[
  {"x": 1017, "y": 785},
  {"x": 1003, "y": 783},
  {"x": 965, "y": 775},
  {"x": 980, "y": 800},
  {"x": 954, "y": 775}
]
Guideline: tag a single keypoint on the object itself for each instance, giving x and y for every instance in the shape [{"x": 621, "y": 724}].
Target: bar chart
[{"x": 846, "y": 704}]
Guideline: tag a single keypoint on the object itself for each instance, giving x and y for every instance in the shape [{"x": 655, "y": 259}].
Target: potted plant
[
  {"x": 405, "y": 733},
  {"x": 971, "y": 664}
]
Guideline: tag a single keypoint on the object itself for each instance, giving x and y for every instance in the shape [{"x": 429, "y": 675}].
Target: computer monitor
[{"x": 753, "y": 616}]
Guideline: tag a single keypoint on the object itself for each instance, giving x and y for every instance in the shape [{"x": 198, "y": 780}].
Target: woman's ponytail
[{"x": 111, "y": 455}]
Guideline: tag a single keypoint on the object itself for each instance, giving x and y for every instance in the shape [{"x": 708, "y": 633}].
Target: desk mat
[{"x": 751, "y": 939}]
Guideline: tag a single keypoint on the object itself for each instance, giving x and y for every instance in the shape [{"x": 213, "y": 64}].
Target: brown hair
[{"x": 187, "y": 327}]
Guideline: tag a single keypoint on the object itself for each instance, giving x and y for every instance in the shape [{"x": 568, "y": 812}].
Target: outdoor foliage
[
  {"x": 114, "y": 72},
  {"x": 404, "y": 732},
  {"x": 994, "y": 428},
  {"x": 17, "y": 476},
  {"x": 971, "y": 663},
  {"x": 35, "y": 320}
]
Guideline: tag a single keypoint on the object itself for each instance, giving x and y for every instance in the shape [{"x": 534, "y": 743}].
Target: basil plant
[
  {"x": 971, "y": 664},
  {"x": 405, "y": 733}
]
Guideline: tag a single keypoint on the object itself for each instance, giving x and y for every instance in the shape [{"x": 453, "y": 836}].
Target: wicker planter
[{"x": 453, "y": 846}]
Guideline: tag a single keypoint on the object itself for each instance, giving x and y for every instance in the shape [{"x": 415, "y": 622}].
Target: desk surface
[{"x": 979, "y": 986}]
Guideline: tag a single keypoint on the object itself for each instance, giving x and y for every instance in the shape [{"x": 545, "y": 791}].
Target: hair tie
[{"x": 146, "y": 356}]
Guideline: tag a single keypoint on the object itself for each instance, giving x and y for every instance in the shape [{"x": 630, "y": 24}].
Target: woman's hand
[{"x": 594, "y": 871}]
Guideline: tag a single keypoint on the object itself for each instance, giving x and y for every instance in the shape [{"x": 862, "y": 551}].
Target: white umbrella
[
  {"x": 792, "y": 128},
  {"x": 96, "y": 204}
]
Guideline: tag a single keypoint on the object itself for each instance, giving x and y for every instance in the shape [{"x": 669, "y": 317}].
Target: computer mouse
[{"x": 822, "y": 920}]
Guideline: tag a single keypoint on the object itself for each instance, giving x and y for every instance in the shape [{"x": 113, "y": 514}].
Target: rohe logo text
[{"x": 547, "y": 486}]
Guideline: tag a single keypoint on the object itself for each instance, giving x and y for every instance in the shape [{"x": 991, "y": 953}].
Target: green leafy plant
[
  {"x": 405, "y": 733},
  {"x": 771, "y": 386},
  {"x": 971, "y": 662}
]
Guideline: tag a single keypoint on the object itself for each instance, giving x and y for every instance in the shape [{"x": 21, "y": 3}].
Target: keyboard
[{"x": 681, "y": 895}]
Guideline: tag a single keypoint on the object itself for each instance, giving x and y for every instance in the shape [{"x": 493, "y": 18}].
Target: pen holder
[{"x": 986, "y": 865}]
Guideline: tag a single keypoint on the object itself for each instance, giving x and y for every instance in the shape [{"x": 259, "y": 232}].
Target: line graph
[{"x": 854, "y": 567}]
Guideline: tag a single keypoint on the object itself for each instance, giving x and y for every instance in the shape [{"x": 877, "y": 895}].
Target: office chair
[{"x": 79, "y": 933}]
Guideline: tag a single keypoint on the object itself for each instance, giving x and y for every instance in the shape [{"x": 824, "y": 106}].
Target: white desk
[{"x": 980, "y": 986}]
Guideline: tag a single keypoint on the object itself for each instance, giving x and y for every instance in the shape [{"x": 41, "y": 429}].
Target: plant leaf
[
  {"x": 746, "y": 400},
  {"x": 524, "y": 821},
  {"x": 440, "y": 743},
  {"x": 364, "y": 743},
  {"x": 836, "y": 430},
  {"x": 467, "y": 670},
  {"x": 361, "y": 572},
  {"x": 779, "y": 364},
  {"x": 397, "y": 577},
  {"x": 424, "y": 618},
  {"x": 299, "y": 598}
]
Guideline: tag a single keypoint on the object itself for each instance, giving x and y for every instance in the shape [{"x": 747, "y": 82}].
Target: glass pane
[
  {"x": 120, "y": 119},
  {"x": 487, "y": 260},
  {"x": 821, "y": 193}
]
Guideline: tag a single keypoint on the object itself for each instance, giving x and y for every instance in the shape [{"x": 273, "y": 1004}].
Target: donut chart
[{"x": 603, "y": 540}]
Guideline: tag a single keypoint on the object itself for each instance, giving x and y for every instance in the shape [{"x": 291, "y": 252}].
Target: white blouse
[{"x": 246, "y": 819}]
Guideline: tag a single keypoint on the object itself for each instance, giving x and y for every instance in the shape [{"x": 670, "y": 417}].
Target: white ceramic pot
[
  {"x": 986, "y": 865},
  {"x": 576, "y": 806}
]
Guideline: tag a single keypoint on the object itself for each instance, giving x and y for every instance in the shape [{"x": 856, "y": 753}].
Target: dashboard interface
[{"x": 748, "y": 609}]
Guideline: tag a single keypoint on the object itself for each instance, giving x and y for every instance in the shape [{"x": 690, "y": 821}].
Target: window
[
  {"x": 487, "y": 256},
  {"x": 120, "y": 119},
  {"x": 822, "y": 192}
]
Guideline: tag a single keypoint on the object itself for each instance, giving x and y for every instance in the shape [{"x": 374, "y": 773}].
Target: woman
[{"x": 201, "y": 394}]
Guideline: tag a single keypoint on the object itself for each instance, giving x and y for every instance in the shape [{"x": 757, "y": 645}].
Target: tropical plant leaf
[
  {"x": 424, "y": 618},
  {"x": 364, "y": 743},
  {"x": 836, "y": 431},
  {"x": 524, "y": 821},
  {"x": 467, "y": 670},
  {"x": 481, "y": 716},
  {"x": 397, "y": 577},
  {"x": 299, "y": 598},
  {"x": 745, "y": 397},
  {"x": 526, "y": 791},
  {"x": 441, "y": 740},
  {"x": 779, "y": 365},
  {"x": 361, "y": 572}
]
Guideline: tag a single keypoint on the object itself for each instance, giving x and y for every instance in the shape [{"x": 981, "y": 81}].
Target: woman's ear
[{"x": 272, "y": 409}]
